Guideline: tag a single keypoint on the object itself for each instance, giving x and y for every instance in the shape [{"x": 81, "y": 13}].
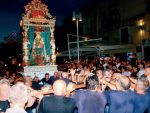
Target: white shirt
[
  {"x": 141, "y": 72},
  {"x": 105, "y": 65},
  {"x": 15, "y": 110},
  {"x": 126, "y": 73},
  {"x": 118, "y": 65}
]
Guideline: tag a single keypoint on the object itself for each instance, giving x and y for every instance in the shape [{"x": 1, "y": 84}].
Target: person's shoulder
[
  {"x": 110, "y": 91},
  {"x": 86, "y": 93},
  {"x": 118, "y": 92},
  {"x": 130, "y": 93},
  {"x": 77, "y": 94},
  {"x": 4, "y": 103},
  {"x": 81, "y": 92},
  {"x": 43, "y": 79},
  {"x": 146, "y": 95},
  {"x": 48, "y": 97},
  {"x": 148, "y": 90},
  {"x": 70, "y": 100},
  {"x": 15, "y": 110},
  {"x": 52, "y": 77}
]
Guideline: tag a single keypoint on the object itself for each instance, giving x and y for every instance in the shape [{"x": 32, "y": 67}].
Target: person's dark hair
[
  {"x": 19, "y": 75},
  {"x": 143, "y": 64},
  {"x": 94, "y": 71},
  {"x": 124, "y": 67},
  {"x": 100, "y": 68},
  {"x": 135, "y": 66},
  {"x": 129, "y": 61},
  {"x": 20, "y": 79},
  {"x": 46, "y": 73},
  {"x": 92, "y": 82}
]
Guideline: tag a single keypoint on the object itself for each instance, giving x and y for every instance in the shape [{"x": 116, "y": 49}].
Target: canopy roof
[{"x": 99, "y": 49}]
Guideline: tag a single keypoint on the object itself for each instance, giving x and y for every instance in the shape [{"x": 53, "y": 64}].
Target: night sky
[{"x": 11, "y": 12}]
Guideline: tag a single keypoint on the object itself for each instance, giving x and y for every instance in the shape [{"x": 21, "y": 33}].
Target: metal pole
[
  {"x": 99, "y": 51},
  {"x": 68, "y": 46},
  {"x": 78, "y": 40},
  {"x": 142, "y": 44}
]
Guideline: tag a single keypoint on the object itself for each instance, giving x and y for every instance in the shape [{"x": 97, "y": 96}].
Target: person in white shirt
[
  {"x": 141, "y": 72},
  {"x": 125, "y": 71},
  {"x": 18, "y": 97}
]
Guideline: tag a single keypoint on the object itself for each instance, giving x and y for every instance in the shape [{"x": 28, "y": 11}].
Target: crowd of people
[{"x": 99, "y": 85}]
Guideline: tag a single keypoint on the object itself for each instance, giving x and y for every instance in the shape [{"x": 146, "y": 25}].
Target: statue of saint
[{"x": 38, "y": 50}]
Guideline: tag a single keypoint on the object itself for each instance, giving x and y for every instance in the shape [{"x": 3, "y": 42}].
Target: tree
[{"x": 11, "y": 47}]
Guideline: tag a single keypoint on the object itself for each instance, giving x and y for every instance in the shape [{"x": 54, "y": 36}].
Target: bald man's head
[
  {"x": 59, "y": 88},
  {"x": 124, "y": 82},
  {"x": 142, "y": 85}
]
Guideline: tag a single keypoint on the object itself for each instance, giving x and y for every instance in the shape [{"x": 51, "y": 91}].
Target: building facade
[{"x": 118, "y": 21}]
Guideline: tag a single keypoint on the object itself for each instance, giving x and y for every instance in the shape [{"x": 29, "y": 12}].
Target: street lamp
[{"x": 78, "y": 18}]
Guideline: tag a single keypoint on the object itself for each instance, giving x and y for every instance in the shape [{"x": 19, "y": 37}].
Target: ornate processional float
[{"x": 39, "y": 54}]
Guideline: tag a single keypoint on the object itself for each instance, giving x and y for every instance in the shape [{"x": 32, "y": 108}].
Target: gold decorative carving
[{"x": 37, "y": 15}]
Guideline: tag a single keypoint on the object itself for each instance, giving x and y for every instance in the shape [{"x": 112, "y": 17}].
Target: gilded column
[
  {"x": 25, "y": 46},
  {"x": 53, "y": 56}
]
